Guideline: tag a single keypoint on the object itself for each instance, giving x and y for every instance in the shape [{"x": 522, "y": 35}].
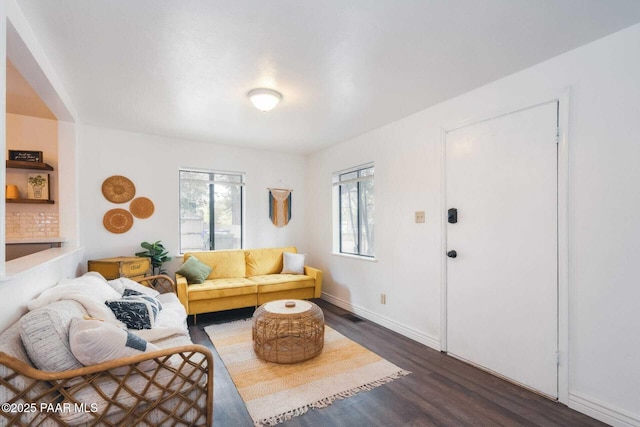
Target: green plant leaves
[{"x": 157, "y": 253}]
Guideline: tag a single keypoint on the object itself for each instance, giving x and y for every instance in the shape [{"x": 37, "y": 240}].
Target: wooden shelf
[
  {"x": 36, "y": 201},
  {"x": 16, "y": 164}
]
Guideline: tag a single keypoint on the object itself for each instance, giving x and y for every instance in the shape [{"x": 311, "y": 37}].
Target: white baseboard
[
  {"x": 427, "y": 340},
  {"x": 603, "y": 412}
]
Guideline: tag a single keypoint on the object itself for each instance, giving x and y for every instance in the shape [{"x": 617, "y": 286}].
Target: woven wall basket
[
  {"x": 141, "y": 207},
  {"x": 117, "y": 221},
  {"x": 118, "y": 189}
]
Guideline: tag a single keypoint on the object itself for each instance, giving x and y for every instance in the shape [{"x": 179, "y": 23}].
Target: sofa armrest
[
  {"x": 181, "y": 287},
  {"x": 317, "y": 276},
  {"x": 187, "y": 383}
]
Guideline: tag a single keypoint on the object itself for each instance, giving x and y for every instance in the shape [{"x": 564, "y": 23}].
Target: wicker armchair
[
  {"x": 178, "y": 390},
  {"x": 161, "y": 283}
]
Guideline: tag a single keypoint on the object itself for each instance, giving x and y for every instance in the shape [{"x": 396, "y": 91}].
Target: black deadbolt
[
  {"x": 453, "y": 215},
  {"x": 452, "y": 254}
]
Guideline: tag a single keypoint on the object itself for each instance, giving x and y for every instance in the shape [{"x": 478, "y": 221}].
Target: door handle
[
  {"x": 452, "y": 254},
  {"x": 452, "y": 216}
]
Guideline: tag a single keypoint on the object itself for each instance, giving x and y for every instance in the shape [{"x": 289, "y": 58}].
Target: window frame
[
  {"x": 338, "y": 183},
  {"x": 212, "y": 181}
]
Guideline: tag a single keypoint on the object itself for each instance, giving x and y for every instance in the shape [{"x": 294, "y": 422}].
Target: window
[
  {"x": 211, "y": 210},
  {"x": 355, "y": 196}
]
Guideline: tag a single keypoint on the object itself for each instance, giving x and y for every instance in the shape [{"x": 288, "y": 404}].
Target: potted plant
[{"x": 158, "y": 255}]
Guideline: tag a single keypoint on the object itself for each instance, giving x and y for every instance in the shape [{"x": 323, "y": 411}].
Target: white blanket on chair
[
  {"x": 88, "y": 290},
  {"x": 91, "y": 291}
]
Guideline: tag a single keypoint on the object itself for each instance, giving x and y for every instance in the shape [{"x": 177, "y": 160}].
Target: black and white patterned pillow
[
  {"x": 131, "y": 292},
  {"x": 135, "y": 310}
]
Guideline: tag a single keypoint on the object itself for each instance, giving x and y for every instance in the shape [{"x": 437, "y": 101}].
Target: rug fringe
[{"x": 327, "y": 401}]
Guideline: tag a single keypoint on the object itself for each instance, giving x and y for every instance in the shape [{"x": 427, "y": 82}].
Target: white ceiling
[{"x": 183, "y": 68}]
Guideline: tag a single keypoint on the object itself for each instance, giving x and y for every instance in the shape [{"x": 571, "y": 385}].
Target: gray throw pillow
[
  {"x": 194, "y": 270},
  {"x": 45, "y": 335}
]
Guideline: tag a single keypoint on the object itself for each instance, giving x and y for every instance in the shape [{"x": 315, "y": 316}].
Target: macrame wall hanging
[{"x": 280, "y": 206}]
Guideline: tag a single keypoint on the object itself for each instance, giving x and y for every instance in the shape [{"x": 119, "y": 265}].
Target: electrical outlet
[
  {"x": 383, "y": 298},
  {"x": 419, "y": 217}
]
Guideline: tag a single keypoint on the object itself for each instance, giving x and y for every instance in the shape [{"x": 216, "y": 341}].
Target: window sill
[{"x": 358, "y": 257}]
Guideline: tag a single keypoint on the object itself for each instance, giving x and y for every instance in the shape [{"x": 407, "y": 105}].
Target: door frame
[{"x": 562, "y": 99}]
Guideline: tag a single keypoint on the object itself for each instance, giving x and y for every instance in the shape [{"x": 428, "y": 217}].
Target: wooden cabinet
[{"x": 113, "y": 268}]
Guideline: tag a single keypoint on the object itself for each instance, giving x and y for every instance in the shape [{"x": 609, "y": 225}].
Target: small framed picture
[{"x": 38, "y": 186}]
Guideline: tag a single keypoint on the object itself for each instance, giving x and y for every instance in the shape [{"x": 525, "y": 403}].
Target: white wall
[
  {"x": 23, "y": 286},
  {"x": 153, "y": 162},
  {"x": 25, "y": 278},
  {"x": 604, "y": 203}
]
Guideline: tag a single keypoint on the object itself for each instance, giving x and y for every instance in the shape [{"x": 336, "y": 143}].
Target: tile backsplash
[{"x": 32, "y": 224}]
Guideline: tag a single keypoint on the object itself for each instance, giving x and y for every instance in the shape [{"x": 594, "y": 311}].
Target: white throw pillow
[
  {"x": 292, "y": 263},
  {"x": 93, "y": 341},
  {"x": 95, "y": 274},
  {"x": 124, "y": 283}
]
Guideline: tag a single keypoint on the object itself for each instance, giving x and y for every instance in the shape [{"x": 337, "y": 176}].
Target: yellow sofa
[{"x": 245, "y": 278}]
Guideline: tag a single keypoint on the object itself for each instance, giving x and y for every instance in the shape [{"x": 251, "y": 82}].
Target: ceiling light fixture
[{"x": 264, "y": 99}]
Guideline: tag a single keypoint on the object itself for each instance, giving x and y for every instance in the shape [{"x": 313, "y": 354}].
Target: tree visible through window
[
  {"x": 210, "y": 210},
  {"x": 356, "y": 207}
]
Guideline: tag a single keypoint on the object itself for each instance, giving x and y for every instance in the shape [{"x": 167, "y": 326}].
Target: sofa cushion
[
  {"x": 292, "y": 263},
  {"x": 220, "y": 288},
  {"x": 165, "y": 382},
  {"x": 225, "y": 264},
  {"x": 13, "y": 384},
  {"x": 11, "y": 344},
  {"x": 93, "y": 341},
  {"x": 282, "y": 282},
  {"x": 45, "y": 335},
  {"x": 173, "y": 314},
  {"x": 194, "y": 270},
  {"x": 265, "y": 261}
]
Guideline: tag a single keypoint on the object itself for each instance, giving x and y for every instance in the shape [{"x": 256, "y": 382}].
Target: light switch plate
[{"x": 419, "y": 217}]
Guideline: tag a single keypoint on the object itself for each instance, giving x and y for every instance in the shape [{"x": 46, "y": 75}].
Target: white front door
[{"x": 502, "y": 284}]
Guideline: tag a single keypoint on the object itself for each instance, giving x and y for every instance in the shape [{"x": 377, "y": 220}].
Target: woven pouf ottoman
[{"x": 288, "y": 331}]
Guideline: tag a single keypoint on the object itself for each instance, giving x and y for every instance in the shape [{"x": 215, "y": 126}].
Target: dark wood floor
[{"x": 440, "y": 391}]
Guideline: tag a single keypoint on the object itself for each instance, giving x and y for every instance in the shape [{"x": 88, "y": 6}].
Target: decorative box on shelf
[
  {"x": 26, "y": 156},
  {"x": 113, "y": 268}
]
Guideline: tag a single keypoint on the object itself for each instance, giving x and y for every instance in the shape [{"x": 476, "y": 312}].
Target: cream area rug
[{"x": 275, "y": 393}]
